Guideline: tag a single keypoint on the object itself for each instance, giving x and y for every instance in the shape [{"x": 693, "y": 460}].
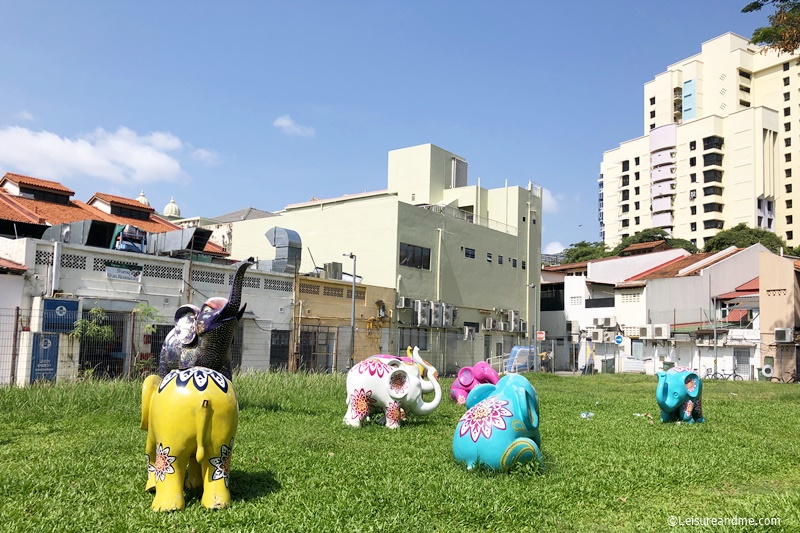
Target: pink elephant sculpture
[{"x": 469, "y": 377}]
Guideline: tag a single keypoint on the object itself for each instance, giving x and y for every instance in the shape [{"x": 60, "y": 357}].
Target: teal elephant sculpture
[
  {"x": 501, "y": 425},
  {"x": 679, "y": 395}
]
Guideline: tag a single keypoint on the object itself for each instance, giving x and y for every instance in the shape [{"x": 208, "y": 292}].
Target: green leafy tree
[
  {"x": 783, "y": 32},
  {"x": 93, "y": 328},
  {"x": 647, "y": 235},
  {"x": 585, "y": 251},
  {"x": 683, "y": 243},
  {"x": 743, "y": 236},
  {"x": 146, "y": 318}
]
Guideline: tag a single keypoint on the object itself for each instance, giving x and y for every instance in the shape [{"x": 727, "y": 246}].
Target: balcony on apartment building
[{"x": 714, "y": 142}]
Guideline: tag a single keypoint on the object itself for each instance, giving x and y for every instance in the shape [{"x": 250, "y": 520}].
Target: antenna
[{"x": 312, "y": 258}]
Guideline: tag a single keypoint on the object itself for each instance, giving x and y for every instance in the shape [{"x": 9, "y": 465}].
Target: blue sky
[{"x": 227, "y": 105}]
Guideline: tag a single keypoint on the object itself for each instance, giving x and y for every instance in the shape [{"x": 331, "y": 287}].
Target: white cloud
[
  {"x": 23, "y": 115},
  {"x": 553, "y": 248},
  {"x": 287, "y": 124},
  {"x": 119, "y": 156},
  {"x": 207, "y": 157},
  {"x": 550, "y": 202}
]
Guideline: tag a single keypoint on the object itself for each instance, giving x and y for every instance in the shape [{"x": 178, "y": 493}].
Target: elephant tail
[
  {"x": 202, "y": 426},
  {"x": 149, "y": 387}
]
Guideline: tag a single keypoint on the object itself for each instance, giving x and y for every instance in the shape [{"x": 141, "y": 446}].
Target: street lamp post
[{"x": 352, "y": 256}]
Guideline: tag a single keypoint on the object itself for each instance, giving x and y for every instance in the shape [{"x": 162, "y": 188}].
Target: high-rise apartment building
[{"x": 721, "y": 146}]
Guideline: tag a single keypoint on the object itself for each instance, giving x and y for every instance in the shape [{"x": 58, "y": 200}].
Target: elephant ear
[
  {"x": 398, "y": 383},
  {"x": 692, "y": 385},
  {"x": 186, "y": 323},
  {"x": 480, "y": 392},
  {"x": 529, "y": 403}
]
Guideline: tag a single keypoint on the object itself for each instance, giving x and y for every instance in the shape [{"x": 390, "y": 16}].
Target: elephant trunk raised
[
  {"x": 203, "y": 336},
  {"x": 421, "y": 407}
]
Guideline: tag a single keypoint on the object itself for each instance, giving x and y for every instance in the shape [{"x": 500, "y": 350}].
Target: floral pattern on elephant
[
  {"x": 199, "y": 376},
  {"x": 393, "y": 414},
  {"x": 398, "y": 383},
  {"x": 163, "y": 463},
  {"x": 222, "y": 464},
  {"x": 362, "y": 401},
  {"x": 373, "y": 367},
  {"x": 481, "y": 418}
]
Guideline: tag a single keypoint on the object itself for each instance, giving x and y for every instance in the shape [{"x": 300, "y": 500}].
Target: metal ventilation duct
[{"x": 288, "y": 247}]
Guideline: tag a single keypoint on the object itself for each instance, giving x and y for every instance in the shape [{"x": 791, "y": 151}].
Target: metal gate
[{"x": 741, "y": 357}]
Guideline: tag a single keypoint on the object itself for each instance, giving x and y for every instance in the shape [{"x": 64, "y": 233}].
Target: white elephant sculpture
[
  {"x": 191, "y": 417},
  {"x": 396, "y": 388}
]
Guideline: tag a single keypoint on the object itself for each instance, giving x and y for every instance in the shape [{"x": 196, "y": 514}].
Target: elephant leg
[
  {"x": 521, "y": 450},
  {"x": 686, "y": 412},
  {"x": 150, "y": 455},
  {"x": 357, "y": 409},
  {"x": 170, "y": 473},
  {"x": 393, "y": 415},
  {"x": 194, "y": 477},
  {"x": 665, "y": 416},
  {"x": 216, "y": 476}
]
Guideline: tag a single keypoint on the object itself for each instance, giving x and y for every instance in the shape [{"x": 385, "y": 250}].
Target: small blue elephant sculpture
[
  {"x": 679, "y": 395},
  {"x": 501, "y": 425}
]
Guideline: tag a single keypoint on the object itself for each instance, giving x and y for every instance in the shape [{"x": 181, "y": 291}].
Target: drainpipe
[
  {"x": 439, "y": 265},
  {"x": 57, "y": 249}
]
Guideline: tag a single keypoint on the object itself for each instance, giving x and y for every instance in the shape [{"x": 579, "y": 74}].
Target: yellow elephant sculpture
[{"x": 191, "y": 417}]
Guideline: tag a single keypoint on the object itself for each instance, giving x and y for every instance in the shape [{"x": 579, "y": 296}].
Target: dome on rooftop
[
  {"x": 142, "y": 200},
  {"x": 171, "y": 210}
]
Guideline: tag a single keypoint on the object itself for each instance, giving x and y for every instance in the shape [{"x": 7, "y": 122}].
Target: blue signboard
[
  {"x": 59, "y": 315},
  {"x": 45, "y": 357}
]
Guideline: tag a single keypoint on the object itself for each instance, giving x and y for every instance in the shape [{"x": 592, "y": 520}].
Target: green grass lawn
[{"x": 72, "y": 459}]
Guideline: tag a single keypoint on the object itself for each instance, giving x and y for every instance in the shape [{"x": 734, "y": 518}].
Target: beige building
[
  {"x": 462, "y": 259},
  {"x": 720, "y": 147}
]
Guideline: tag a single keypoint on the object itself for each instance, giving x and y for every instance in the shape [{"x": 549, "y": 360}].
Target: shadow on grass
[{"x": 251, "y": 485}]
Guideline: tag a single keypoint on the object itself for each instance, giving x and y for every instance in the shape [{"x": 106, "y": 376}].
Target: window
[
  {"x": 786, "y": 66},
  {"x": 786, "y": 80},
  {"x": 636, "y": 161},
  {"x": 636, "y": 220},
  {"x": 653, "y": 98},
  {"x": 499, "y": 259},
  {"x": 469, "y": 253},
  {"x": 788, "y": 219},
  {"x": 625, "y": 195},
  {"x": 788, "y": 172},
  {"x": 713, "y": 224},
  {"x": 636, "y": 174},
  {"x": 744, "y": 74},
  {"x": 785, "y": 97},
  {"x": 693, "y": 177},
  {"x": 693, "y": 226},
  {"x": 787, "y": 126},
  {"x": 788, "y": 157},
  {"x": 415, "y": 256},
  {"x": 522, "y": 263},
  {"x": 488, "y": 257},
  {"x": 626, "y": 165},
  {"x": 636, "y": 205},
  {"x": 625, "y": 180},
  {"x": 652, "y": 126},
  {"x": 712, "y": 175},
  {"x": 523, "y": 218},
  {"x": 625, "y": 208},
  {"x": 692, "y": 161},
  {"x": 693, "y": 209},
  {"x": 787, "y": 141},
  {"x": 625, "y": 222},
  {"x": 712, "y": 159},
  {"x": 788, "y": 204},
  {"x": 712, "y": 191},
  {"x": 708, "y": 208},
  {"x": 692, "y": 194},
  {"x": 652, "y": 114},
  {"x": 636, "y": 190},
  {"x": 514, "y": 263},
  {"x": 789, "y": 235},
  {"x": 786, "y": 111},
  {"x": 693, "y": 241},
  {"x": 692, "y": 145},
  {"x": 788, "y": 187},
  {"x": 413, "y": 337}
]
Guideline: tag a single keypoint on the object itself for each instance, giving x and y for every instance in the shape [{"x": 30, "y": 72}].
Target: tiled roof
[
  {"x": 249, "y": 213},
  {"x": 644, "y": 246},
  {"x": 580, "y": 265},
  {"x": 11, "y": 266},
  {"x": 111, "y": 199},
  {"x": 735, "y": 315},
  {"x": 672, "y": 269},
  {"x": 19, "y": 179},
  {"x": 751, "y": 285}
]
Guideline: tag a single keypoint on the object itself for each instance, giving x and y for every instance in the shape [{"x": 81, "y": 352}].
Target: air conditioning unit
[
  {"x": 598, "y": 322},
  {"x": 469, "y": 333},
  {"x": 574, "y": 326},
  {"x": 596, "y": 335},
  {"x": 502, "y": 326},
  {"x": 609, "y": 322},
  {"x": 608, "y": 336},
  {"x": 404, "y": 302},
  {"x": 704, "y": 341},
  {"x": 784, "y": 335},
  {"x": 661, "y": 331},
  {"x": 422, "y": 313},
  {"x": 646, "y": 331},
  {"x": 489, "y": 323},
  {"x": 449, "y": 314},
  {"x": 523, "y": 326},
  {"x": 437, "y": 312}
]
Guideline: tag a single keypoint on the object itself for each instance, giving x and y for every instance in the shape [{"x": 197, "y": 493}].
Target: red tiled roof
[
  {"x": 671, "y": 269},
  {"x": 111, "y": 199},
  {"x": 644, "y": 245},
  {"x": 735, "y": 315},
  {"x": 11, "y": 266},
  {"x": 751, "y": 285},
  {"x": 19, "y": 179}
]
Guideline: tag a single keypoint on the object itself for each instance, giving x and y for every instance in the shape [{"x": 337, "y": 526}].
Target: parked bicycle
[
  {"x": 735, "y": 376},
  {"x": 793, "y": 377}
]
